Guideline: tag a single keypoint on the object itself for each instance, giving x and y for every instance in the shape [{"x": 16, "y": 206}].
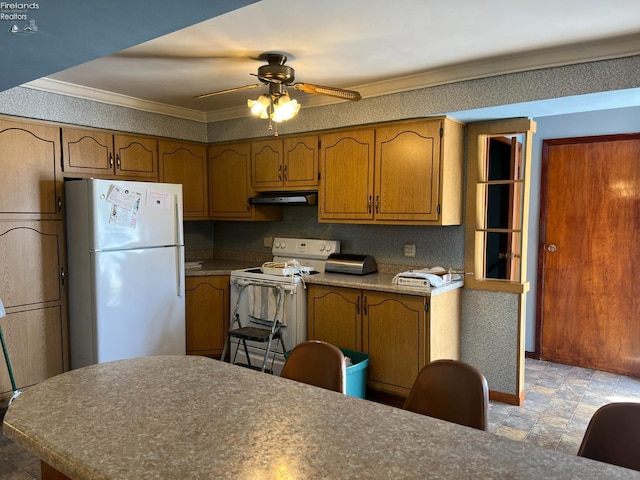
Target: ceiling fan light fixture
[
  {"x": 284, "y": 108},
  {"x": 260, "y": 107}
]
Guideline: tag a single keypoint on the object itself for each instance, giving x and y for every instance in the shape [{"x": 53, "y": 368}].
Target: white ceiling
[{"x": 372, "y": 46}]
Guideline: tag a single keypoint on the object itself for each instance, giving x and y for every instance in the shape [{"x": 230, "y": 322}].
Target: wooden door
[
  {"x": 346, "y": 176},
  {"x": 88, "y": 152},
  {"x": 266, "y": 164},
  {"x": 334, "y": 316},
  {"x": 590, "y": 253},
  {"x": 136, "y": 157},
  {"x": 186, "y": 164},
  {"x": 300, "y": 168},
  {"x": 394, "y": 336},
  {"x": 407, "y": 171},
  {"x": 207, "y": 314}
]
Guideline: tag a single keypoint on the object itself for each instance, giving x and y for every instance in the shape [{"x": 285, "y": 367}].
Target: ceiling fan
[{"x": 277, "y": 76}]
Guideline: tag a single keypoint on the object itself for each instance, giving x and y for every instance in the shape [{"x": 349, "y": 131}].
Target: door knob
[{"x": 552, "y": 248}]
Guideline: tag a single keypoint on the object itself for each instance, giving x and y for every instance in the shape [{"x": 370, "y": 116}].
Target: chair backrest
[
  {"x": 451, "y": 390},
  {"x": 317, "y": 363},
  {"x": 613, "y": 435}
]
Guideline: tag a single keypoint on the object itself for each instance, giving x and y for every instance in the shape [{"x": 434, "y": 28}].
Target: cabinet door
[
  {"x": 31, "y": 180},
  {"x": 229, "y": 181},
  {"x": 266, "y": 164},
  {"x": 31, "y": 255},
  {"x": 35, "y": 346},
  {"x": 87, "y": 152},
  {"x": 136, "y": 156},
  {"x": 407, "y": 171},
  {"x": 394, "y": 334},
  {"x": 300, "y": 169},
  {"x": 207, "y": 314},
  {"x": 334, "y": 316},
  {"x": 186, "y": 164},
  {"x": 346, "y": 175}
]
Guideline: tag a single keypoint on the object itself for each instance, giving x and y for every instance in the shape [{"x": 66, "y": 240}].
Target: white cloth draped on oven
[{"x": 263, "y": 303}]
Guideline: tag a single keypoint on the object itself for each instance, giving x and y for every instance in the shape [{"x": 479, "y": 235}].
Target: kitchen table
[{"x": 197, "y": 418}]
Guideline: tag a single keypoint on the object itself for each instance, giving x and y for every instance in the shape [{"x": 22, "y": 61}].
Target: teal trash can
[{"x": 356, "y": 372}]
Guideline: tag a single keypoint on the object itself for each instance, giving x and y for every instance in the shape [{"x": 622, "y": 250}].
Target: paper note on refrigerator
[
  {"x": 123, "y": 198},
  {"x": 124, "y": 208},
  {"x": 157, "y": 199}
]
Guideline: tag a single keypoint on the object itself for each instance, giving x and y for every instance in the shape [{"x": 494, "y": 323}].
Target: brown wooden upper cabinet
[
  {"x": 290, "y": 163},
  {"x": 31, "y": 179},
  {"x": 399, "y": 173},
  {"x": 100, "y": 153},
  {"x": 230, "y": 185},
  {"x": 186, "y": 164}
]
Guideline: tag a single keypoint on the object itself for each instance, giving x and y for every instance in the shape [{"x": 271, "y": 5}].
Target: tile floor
[{"x": 559, "y": 402}]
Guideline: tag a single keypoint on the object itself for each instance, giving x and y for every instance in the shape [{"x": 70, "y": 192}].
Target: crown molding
[
  {"x": 596, "y": 50},
  {"x": 51, "y": 85},
  {"x": 593, "y": 51}
]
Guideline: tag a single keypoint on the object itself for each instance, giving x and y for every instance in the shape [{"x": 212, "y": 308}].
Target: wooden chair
[
  {"x": 451, "y": 390},
  {"x": 613, "y": 435},
  {"x": 317, "y": 363}
]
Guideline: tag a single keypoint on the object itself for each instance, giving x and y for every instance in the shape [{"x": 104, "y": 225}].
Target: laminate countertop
[
  {"x": 192, "y": 417},
  {"x": 374, "y": 281}
]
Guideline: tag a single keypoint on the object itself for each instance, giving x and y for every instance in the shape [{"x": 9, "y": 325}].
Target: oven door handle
[{"x": 245, "y": 283}]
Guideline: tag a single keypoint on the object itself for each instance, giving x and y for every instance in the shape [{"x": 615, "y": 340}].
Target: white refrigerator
[{"x": 125, "y": 255}]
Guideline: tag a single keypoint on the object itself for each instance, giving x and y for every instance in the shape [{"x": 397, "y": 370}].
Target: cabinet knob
[{"x": 552, "y": 248}]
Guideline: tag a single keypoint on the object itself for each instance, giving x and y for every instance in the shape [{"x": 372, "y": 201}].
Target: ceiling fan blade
[
  {"x": 139, "y": 53},
  {"x": 228, "y": 90},
  {"x": 331, "y": 91}
]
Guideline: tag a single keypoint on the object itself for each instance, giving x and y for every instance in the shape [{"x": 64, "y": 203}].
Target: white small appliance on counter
[{"x": 293, "y": 259}]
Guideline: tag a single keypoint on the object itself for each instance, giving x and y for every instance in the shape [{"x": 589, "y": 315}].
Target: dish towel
[{"x": 262, "y": 303}]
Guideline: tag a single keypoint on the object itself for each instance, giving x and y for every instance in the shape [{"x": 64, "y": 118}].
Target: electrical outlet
[
  {"x": 409, "y": 249},
  {"x": 267, "y": 242}
]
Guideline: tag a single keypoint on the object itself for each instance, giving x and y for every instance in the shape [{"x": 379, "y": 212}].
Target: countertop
[
  {"x": 381, "y": 282},
  {"x": 196, "y": 418},
  {"x": 375, "y": 281}
]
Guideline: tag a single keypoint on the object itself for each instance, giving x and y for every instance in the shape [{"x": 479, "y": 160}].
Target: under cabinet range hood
[{"x": 285, "y": 198}]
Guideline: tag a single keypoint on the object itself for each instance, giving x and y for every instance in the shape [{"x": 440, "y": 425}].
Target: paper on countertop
[
  {"x": 192, "y": 265},
  {"x": 425, "y": 277}
]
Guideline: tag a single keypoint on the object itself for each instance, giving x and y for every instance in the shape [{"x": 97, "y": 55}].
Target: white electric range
[{"x": 293, "y": 260}]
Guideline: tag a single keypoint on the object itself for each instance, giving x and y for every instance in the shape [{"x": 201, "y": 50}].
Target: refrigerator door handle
[
  {"x": 178, "y": 219},
  {"x": 179, "y": 270}
]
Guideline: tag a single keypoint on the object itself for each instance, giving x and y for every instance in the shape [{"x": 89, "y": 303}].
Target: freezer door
[
  {"x": 125, "y": 215},
  {"x": 139, "y": 303}
]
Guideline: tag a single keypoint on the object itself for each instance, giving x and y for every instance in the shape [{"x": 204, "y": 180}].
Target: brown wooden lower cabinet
[
  {"x": 207, "y": 314},
  {"x": 401, "y": 333}
]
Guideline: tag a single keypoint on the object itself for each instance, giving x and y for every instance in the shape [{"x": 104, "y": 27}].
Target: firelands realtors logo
[{"x": 19, "y": 17}]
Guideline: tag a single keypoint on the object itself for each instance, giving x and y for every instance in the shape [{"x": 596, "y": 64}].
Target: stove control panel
[{"x": 304, "y": 247}]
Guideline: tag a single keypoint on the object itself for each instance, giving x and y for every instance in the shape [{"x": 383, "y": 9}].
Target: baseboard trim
[{"x": 507, "y": 398}]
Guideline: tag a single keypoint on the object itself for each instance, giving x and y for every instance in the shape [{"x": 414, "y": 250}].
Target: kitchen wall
[
  {"x": 443, "y": 246},
  {"x": 31, "y": 103}
]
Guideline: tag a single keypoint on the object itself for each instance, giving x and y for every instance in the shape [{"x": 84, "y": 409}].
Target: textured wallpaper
[
  {"x": 36, "y": 104},
  {"x": 490, "y": 336}
]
